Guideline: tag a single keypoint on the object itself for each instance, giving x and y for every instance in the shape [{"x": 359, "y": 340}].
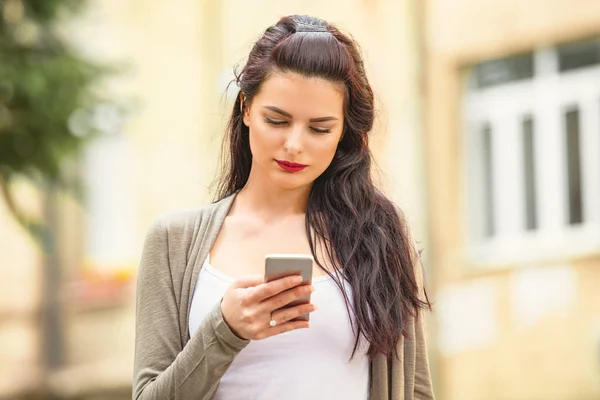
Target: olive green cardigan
[{"x": 171, "y": 365}]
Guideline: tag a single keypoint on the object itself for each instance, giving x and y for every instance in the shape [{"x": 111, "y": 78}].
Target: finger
[
  {"x": 279, "y": 329},
  {"x": 246, "y": 282},
  {"x": 285, "y": 298},
  {"x": 270, "y": 289},
  {"x": 288, "y": 314}
]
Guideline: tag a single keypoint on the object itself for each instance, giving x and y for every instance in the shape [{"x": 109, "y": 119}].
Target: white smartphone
[{"x": 281, "y": 265}]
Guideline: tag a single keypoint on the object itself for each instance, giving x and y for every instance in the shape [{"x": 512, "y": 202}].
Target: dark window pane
[
  {"x": 573, "y": 167},
  {"x": 488, "y": 182},
  {"x": 578, "y": 55},
  {"x": 531, "y": 222},
  {"x": 503, "y": 70}
]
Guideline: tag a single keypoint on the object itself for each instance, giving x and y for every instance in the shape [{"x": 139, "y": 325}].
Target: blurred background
[{"x": 488, "y": 135}]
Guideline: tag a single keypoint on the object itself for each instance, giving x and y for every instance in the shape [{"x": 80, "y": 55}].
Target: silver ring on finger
[{"x": 273, "y": 323}]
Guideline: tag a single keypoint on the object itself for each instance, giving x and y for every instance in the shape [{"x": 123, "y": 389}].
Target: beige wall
[
  {"x": 20, "y": 295},
  {"x": 557, "y": 356}
]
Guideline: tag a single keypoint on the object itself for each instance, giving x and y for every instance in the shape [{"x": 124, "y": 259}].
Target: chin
[{"x": 291, "y": 181}]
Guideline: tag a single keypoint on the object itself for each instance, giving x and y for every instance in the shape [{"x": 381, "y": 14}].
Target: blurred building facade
[
  {"x": 513, "y": 142},
  {"x": 487, "y": 141}
]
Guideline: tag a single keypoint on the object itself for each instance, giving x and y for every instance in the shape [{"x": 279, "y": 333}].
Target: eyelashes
[
  {"x": 273, "y": 122},
  {"x": 283, "y": 123}
]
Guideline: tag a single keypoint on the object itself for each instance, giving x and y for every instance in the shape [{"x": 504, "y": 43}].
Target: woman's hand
[{"x": 249, "y": 305}]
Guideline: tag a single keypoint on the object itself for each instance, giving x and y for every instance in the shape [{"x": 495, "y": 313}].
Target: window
[
  {"x": 532, "y": 130},
  {"x": 488, "y": 180},
  {"x": 573, "y": 167},
  {"x": 578, "y": 55},
  {"x": 529, "y": 174},
  {"x": 106, "y": 275},
  {"x": 501, "y": 71}
]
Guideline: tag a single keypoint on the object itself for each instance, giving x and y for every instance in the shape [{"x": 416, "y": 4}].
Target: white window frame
[
  {"x": 110, "y": 229},
  {"x": 546, "y": 97}
]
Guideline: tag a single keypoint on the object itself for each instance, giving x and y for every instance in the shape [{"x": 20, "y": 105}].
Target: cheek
[
  {"x": 324, "y": 152},
  {"x": 262, "y": 142}
]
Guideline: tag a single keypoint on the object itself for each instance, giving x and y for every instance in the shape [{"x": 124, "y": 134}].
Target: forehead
[{"x": 302, "y": 96}]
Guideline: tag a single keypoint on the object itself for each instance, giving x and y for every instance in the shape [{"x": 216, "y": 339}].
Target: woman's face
[{"x": 295, "y": 126}]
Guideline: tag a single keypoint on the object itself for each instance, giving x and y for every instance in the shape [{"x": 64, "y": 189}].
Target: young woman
[{"x": 297, "y": 180}]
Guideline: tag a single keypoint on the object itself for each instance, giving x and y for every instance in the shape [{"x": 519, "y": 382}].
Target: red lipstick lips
[{"x": 290, "y": 166}]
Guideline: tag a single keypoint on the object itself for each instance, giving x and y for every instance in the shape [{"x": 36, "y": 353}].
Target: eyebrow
[{"x": 288, "y": 115}]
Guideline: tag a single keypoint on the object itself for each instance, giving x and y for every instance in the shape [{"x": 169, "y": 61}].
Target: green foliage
[{"x": 44, "y": 85}]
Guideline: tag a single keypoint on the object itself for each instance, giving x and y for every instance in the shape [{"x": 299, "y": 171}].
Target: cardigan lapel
[{"x": 209, "y": 225}]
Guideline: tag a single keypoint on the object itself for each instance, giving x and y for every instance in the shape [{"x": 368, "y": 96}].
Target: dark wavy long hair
[{"x": 364, "y": 234}]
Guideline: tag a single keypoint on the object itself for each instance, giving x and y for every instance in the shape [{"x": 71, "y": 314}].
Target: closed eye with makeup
[{"x": 279, "y": 118}]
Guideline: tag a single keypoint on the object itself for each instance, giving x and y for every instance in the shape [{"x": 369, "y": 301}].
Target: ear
[
  {"x": 244, "y": 109},
  {"x": 246, "y": 116}
]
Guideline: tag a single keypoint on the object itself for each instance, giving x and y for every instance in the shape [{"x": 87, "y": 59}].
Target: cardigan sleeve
[
  {"x": 423, "y": 388},
  {"x": 164, "y": 368}
]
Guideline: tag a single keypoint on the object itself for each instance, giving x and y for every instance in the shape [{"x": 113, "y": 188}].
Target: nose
[{"x": 293, "y": 141}]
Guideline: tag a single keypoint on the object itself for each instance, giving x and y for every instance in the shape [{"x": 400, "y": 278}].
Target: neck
[{"x": 265, "y": 200}]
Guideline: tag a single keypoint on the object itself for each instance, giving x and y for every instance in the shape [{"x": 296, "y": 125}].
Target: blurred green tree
[
  {"x": 48, "y": 95},
  {"x": 50, "y": 108}
]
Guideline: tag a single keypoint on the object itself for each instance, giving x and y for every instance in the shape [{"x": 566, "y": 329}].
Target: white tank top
[{"x": 311, "y": 363}]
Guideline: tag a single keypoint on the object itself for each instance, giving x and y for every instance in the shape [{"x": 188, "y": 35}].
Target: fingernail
[
  {"x": 315, "y": 308},
  {"x": 297, "y": 279},
  {"x": 312, "y": 289}
]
